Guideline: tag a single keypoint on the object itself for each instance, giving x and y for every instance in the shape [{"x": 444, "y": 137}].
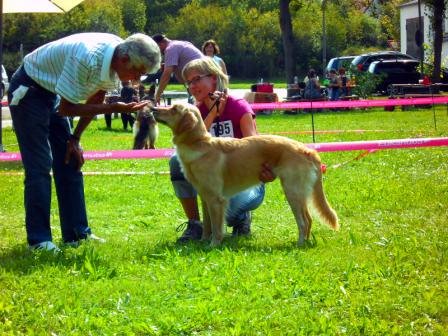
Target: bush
[{"x": 366, "y": 82}]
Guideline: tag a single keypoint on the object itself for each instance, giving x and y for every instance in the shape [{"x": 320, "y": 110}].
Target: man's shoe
[
  {"x": 192, "y": 232},
  {"x": 45, "y": 246},
  {"x": 89, "y": 237},
  {"x": 95, "y": 238},
  {"x": 242, "y": 228}
]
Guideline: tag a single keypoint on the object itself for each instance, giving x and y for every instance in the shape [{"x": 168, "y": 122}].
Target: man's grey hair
[{"x": 142, "y": 51}]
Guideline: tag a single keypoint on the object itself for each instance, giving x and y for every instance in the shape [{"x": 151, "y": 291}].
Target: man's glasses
[{"x": 195, "y": 80}]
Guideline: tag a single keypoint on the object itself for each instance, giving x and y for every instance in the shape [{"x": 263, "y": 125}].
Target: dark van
[
  {"x": 396, "y": 71},
  {"x": 362, "y": 62}
]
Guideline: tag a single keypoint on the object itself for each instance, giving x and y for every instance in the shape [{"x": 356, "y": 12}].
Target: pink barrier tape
[
  {"x": 320, "y": 147},
  {"x": 325, "y": 132},
  {"x": 108, "y": 155},
  {"x": 129, "y": 154},
  {"x": 352, "y": 103},
  {"x": 378, "y": 144},
  {"x": 99, "y": 173}
]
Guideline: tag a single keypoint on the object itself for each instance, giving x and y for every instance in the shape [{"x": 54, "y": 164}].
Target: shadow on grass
[
  {"x": 164, "y": 250},
  {"x": 86, "y": 262},
  {"x": 11, "y": 166},
  {"x": 82, "y": 261}
]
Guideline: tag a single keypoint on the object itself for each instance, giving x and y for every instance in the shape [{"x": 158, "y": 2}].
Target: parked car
[
  {"x": 362, "y": 62},
  {"x": 339, "y": 62},
  {"x": 395, "y": 71},
  {"x": 5, "y": 83}
]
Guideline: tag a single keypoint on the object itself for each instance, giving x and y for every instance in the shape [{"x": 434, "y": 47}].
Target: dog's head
[
  {"x": 181, "y": 118},
  {"x": 146, "y": 114}
]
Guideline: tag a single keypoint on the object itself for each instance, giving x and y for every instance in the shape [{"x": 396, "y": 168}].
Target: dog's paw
[
  {"x": 205, "y": 237},
  {"x": 307, "y": 243},
  {"x": 215, "y": 242}
]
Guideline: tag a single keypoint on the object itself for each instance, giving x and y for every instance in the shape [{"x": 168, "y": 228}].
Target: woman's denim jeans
[
  {"x": 239, "y": 205},
  {"x": 42, "y": 135}
]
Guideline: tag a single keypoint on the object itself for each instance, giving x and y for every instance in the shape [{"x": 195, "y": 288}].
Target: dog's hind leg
[
  {"x": 308, "y": 221},
  {"x": 297, "y": 197}
]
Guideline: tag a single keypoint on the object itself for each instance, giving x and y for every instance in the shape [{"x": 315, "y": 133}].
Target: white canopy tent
[
  {"x": 30, "y": 6},
  {"x": 38, "y": 6}
]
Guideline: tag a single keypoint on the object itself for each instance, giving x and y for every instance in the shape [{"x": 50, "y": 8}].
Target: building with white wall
[{"x": 409, "y": 24}]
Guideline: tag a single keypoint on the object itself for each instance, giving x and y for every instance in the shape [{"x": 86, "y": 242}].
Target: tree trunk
[
  {"x": 287, "y": 39},
  {"x": 437, "y": 24}
]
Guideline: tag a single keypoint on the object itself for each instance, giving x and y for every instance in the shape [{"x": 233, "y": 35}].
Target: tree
[
  {"x": 249, "y": 39},
  {"x": 287, "y": 39},
  {"x": 438, "y": 14},
  {"x": 157, "y": 12},
  {"x": 134, "y": 17}
]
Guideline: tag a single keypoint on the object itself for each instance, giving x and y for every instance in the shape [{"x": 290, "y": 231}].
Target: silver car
[{"x": 5, "y": 82}]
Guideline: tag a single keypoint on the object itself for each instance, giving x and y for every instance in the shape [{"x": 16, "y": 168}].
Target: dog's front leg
[
  {"x": 216, "y": 210},
  {"x": 207, "y": 229}
]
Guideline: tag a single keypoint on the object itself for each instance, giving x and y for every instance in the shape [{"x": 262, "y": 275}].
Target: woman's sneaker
[
  {"x": 243, "y": 228},
  {"x": 193, "y": 231}
]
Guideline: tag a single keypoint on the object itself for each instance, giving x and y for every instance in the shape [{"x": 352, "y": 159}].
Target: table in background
[
  {"x": 169, "y": 95},
  {"x": 261, "y": 97}
]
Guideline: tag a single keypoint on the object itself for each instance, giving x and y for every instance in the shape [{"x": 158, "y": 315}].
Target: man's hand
[
  {"x": 129, "y": 107},
  {"x": 266, "y": 174},
  {"x": 74, "y": 153}
]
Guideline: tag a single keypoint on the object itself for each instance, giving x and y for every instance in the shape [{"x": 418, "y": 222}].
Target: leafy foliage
[
  {"x": 248, "y": 32},
  {"x": 383, "y": 273},
  {"x": 366, "y": 82}
]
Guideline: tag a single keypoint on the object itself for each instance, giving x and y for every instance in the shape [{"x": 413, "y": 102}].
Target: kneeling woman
[{"x": 224, "y": 116}]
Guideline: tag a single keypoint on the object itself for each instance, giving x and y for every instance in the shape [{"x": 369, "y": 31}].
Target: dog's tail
[{"x": 321, "y": 204}]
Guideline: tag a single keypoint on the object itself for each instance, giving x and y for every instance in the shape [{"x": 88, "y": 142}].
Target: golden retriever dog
[{"x": 221, "y": 167}]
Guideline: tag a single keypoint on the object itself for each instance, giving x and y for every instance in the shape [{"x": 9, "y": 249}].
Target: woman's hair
[
  {"x": 311, "y": 73},
  {"x": 207, "y": 66},
  {"x": 216, "y": 50},
  {"x": 142, "y": 51}
]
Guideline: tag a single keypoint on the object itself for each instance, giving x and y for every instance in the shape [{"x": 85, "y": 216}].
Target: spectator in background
[
  {"x": 211, "y": 49},
  {"x": 176, "y": 55},
  {"x": 128, "y": 94},
  {"x": 343, "y": 77},
  {"x": 312, "y": 86},
  {"x": 334, "y": 85}
]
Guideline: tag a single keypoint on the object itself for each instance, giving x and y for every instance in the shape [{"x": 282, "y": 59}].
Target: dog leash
[{"x": 217, "y": 98}]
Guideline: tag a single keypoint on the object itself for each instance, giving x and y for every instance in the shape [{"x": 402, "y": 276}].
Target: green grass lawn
[
  {"x": 384, "y": 273},
  {"x": 235, "y": 84}
]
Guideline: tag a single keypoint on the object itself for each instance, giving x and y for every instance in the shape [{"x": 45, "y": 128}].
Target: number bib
[{"x": 222, "y": 129}]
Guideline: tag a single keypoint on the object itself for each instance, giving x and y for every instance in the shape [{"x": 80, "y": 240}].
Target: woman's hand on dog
[
  {"x": 74, "y": 153},
  {"x": 266, "y": 174}
]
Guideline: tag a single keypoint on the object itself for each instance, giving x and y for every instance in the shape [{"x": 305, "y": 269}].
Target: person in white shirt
[{"x": 65, "y": 78}]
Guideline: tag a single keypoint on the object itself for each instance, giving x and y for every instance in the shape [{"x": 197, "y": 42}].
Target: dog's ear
[{"x": 187, "y": 122}]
